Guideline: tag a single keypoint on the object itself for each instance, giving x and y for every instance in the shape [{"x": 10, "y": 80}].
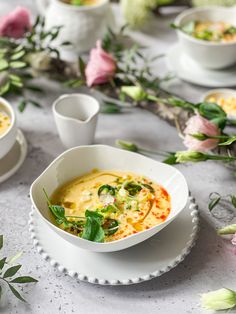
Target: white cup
[
  {"x": 76, "y": 119},
  {"x": 8, "y": 138}
]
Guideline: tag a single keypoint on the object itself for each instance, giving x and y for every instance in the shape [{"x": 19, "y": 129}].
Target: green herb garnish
[
  {"x": 7, "y": 274},
  {"x": 106, "y": 189}
]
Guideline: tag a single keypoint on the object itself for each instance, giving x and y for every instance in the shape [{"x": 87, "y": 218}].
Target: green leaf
[
  {"x": 2, "y": 262},
  {"x": 106, "y": 189},
  {"x": 18, "y": 64},
  {"x": 3, "y": 65},
  {"x": 58, "y": 211},
  {"x": 16, "y": 293},
  {"x": 211, "y": 111},
  {"x": 110, "y": 226},
  {"x": 93, "y": 230},
  {"x": 233, "y": 200},
  {"x": 5, "y": 88},
  {"x": 82, "y": 68},
  {"x": 34, "y": 103},
  {"x": 22, "y": 105},
  {"x": 34, "y": 88},
  {"x": 23, "y": 279},
  {"x": 109, "y": 107},
  {"x": 15, "y": 78},
  {"x": 11, "y": 271},
  {"x": 229, "y": 141},
  {"x": 1, "y": 241},
  {"x": 132, "y": 188},
  {"x": 214, "y": 201},
  {"x": 66, "y": 43},
  {"x": 18, "y": 55},
  {"x": 171, "y": 160},
  {"x": 14, "y": 258}
]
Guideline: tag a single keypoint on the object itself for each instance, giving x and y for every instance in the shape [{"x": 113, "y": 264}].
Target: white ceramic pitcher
[
  {"x": 82, "y": 25},
  {"x": 76, "y": 119}
]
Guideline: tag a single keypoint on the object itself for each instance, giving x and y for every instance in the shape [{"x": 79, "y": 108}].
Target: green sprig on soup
[{"x": 105, "y": 206}]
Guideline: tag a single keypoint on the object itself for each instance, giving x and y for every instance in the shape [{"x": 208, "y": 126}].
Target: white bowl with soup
[
  {"x": 208, "y": 35},
  {"x": 225, "y": 98},
  {"x": 8, "y": 129},
  {"x": 104, "y": 199}
]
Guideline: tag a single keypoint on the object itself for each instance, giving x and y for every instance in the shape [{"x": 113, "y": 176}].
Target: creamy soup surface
[
  {"x": 211, "y": 31},
  {"x": 127, "y": 203},
  {"x": 5, "y": 122}
]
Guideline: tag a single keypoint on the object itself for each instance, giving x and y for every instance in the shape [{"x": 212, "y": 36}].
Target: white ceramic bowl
[
  {"x": 220, "y": 92},
  {"x": 80, "y": 160},
  {"x": 208, "y": 54},
  {"x": 7, "y": 139}
]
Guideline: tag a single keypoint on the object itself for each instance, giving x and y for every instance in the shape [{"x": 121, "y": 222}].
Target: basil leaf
[
  {"x": 106, "y": 189},
  {"x": 11, "y": 271},
  {"x": 16, "y": 293},
  {"x": 93, "y": 230},
  {"x": 132, "y": 188},
  {"x": 148, "y": 186},
  {"x": 23, "y": 279},
  {"x": 111, "y": 226},
  {"x": 58, "y": 211}
]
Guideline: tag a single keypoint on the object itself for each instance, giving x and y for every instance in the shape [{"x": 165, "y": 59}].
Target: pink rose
[
  {"x": 16, "y": 23},
  {"x": 198, "y": 124},
  {"x": 101, "y": 66}
]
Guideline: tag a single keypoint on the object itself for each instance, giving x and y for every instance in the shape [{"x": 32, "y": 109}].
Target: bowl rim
[
  {"x": 187, "y": 12},
  {"x": 218, "y": 91},
  {"x": 5, "y": 103},
  {"x": 85, "y": 8},
  {"x": 64, "y": 117},
  {"x": 103, "y": 244}
]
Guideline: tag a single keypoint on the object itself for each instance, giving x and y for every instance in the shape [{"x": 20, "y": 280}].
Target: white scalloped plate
[{"x": 142, "y": 262}]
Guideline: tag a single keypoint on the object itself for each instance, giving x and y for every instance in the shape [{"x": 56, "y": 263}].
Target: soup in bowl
[
  {"x": 207, "y": 35},
  {"x": 8, "y": 129},
  {"x": 126, "y": 200}
]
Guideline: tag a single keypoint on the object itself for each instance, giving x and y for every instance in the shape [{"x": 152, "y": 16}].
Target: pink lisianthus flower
[
  {"x": 101, "y": 66},
  {"x": 16, "y": 23},
  {"x": 234, "y": 240},
  {"x": 198, "y": 124}
]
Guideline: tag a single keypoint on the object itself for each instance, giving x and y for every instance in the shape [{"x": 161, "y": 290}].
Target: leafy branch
[{"x": 7, "y": 273}]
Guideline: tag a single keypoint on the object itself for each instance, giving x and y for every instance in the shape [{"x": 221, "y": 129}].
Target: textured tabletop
[{"x": 209, "y": 266}]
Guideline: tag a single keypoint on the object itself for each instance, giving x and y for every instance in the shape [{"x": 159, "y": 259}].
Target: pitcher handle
[{"x": 42, "y": 6}]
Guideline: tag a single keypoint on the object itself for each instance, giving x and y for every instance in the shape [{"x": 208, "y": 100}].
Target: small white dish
[
  {"x": 13, "y": 160},
  {"x": 142, "y": 262},
  {"x": 220, "y": 93},
  {"x": 79, "y": 160},
  {"x": 8, "y": 138},
  {"x": 76, "y": 119},
  {"x": 189, "y": 71},
  {"x": 211, "y": 55}
]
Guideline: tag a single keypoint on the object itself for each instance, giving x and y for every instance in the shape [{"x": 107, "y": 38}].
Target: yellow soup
[
  {"x": 5, "y": 122},
  {"x": 117, "y": 204}
]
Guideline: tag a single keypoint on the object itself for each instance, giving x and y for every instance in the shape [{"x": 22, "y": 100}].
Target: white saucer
[
  {"x": 142, "y": 262},
  {"x": 189, "y": 71},
  {"x": 15, "y": 158}
]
